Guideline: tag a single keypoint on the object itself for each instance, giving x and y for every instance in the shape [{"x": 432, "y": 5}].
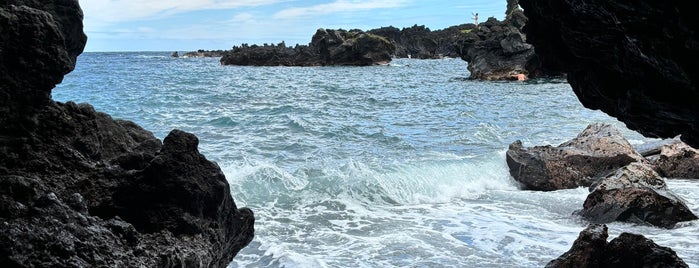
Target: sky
[{"x": 188, "y": 25}]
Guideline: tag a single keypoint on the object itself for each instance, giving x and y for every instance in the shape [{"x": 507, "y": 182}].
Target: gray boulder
[
  {"x": 596, "y": 151},
  {"x": 676, "y": 160},
  {"x": 635, "y": 193}
]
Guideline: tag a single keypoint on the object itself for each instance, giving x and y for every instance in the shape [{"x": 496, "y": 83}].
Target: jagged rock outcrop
[
  {"x": 596, "y": 151},
  {"x": 419, "y": 42},
  {"x": 327, "y": 47},
  {"x": 635, "y": 61},
  {"x": 498, "y": 50},
  {"x": 501, "y": 52},
  {"x": 591, "y": 250},
  {"x": 635, "y": 193},
  {"x": 79, "y": 189}
]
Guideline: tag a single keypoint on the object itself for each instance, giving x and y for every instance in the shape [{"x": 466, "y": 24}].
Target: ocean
[{"x": 385, "y": 166}]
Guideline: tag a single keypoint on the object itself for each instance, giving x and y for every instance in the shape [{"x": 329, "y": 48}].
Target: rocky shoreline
[
  {"x": 624, "y": 184},
  {"x": 80, "y": 189},
  {"x": 494, "y": 50}
]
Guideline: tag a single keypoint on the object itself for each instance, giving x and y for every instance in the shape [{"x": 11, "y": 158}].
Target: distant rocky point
[
  {"x": 327, "y": 47},
  {"x": 419, "y": 42}
]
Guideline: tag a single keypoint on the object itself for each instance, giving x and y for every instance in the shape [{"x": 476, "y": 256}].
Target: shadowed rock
[
  {"x": 596, "y": 151},
  {"x": 635, "y": 61},
  {"x": 80, "y": 189},
  {"x": 635, "y": 193},
  {"x": 591, "y": 250}
]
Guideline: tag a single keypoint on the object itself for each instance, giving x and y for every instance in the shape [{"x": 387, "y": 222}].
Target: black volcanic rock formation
[
  {"x": 327, "y": 47},
  {"x": 80, "y": 189},
  {"x": 420, "y": 42},
  {"x": 591, "y": 250},
  {"x": 634, "y": 60}
]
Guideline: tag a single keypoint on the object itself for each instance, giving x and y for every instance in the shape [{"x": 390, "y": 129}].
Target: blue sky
[{"x": 186, "y": 25}]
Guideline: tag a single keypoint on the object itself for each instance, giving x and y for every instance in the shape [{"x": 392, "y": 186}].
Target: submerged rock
[
  {"x": 635, "y": 61},
  {"x": 327, "y": 47},
  {"x": 591, "y": 249},
  {"x": 80, "y": 189},
  {"x": 596, "y": 151},
  {"x": 635, "y": 193}
]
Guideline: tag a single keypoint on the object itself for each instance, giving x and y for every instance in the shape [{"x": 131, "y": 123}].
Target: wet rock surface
[
  {"x": 635, "y": 193},
  {"x": 591, "y": 249}
]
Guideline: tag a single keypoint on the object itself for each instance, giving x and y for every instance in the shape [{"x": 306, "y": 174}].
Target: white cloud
[
  {"x": 102, "y": 12},
  {"x": 336, "y": 7},
  {"x": 243, "y": 18}
]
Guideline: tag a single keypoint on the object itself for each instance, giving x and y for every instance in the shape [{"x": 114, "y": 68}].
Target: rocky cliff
[
  {"x": 80, "y": 189},
  {"x": 327, "y": 47},
  {"x": 497, "y": 50},
  {"x": 633, "y": 60}
]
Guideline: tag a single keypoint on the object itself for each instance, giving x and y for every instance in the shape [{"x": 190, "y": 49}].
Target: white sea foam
[{"x": 369, "y": 167}]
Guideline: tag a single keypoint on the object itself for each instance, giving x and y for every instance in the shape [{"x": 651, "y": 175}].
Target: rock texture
[
  {"x": 79, "y": 189},
  {"x": 498, "y": 50},
  {"x": 635, "y": 193},
  {"x": 677, "y": 160},
  {"x": 627, "y": 250},
  {"x": 419, "y": 42},
  {"x": 635, "y": 61},
  {"x": 327, "y": 47},
  {"x": 596, "y": 151}
]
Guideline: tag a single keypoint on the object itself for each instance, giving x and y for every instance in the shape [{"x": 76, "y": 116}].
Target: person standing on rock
[{"x": 475, "y": 18}]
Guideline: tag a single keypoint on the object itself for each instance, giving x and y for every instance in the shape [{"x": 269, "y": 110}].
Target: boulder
[
  {"x": 635, "y": 193},
  {"x": 635, "y": 61},
  {"x": 327, "y": 47},
  {"x": 80, "y": 189},
  {"x": 676, "y": 160},
  {"x": 627, "y": 250},
  {"x": 596, "y": 151}
]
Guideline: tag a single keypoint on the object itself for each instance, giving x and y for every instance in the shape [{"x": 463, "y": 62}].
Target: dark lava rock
[
  {"x": 498, "y": 50},
  {"x": 419, "y": 42},
  {"x": 634, "y": 60},
  {"x": 204, "y": 54},
  {"x": 80, "y": 189},
  {"x": 591, "y": 250},
  {"x": 327, "y": 47},
  {"x": 635, "y": 193},
  {"x": 596, "y": 151}
]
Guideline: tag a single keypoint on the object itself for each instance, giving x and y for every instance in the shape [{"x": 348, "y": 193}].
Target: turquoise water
[{"x": 386, "y": 166}]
